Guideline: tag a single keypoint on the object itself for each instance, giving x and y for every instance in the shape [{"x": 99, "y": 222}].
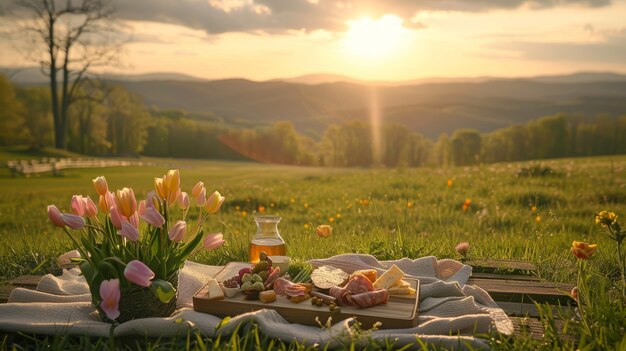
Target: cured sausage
[
  {"x": 359, "y": 284},
  {"x": 284, "y": 287},
  {"x": 370, "y": 298}
]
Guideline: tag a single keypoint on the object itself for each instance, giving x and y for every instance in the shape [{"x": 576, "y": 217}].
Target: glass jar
[{"x": 267, "y": 238}]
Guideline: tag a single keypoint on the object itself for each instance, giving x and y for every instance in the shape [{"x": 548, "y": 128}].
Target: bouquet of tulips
[{"x": 132, "y": 267}]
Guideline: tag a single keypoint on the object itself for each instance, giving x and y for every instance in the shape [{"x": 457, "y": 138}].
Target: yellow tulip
[
  {"x": 172, "y": 181},
  {"x": 583, "y": 250},
  {"x": 324, "y": 230},
  {"x": 126, "y": 202},
  {"x": 214, "y": 202},
  {"x": 100, "y": 183},
  {"x": 159, "y": 187}
]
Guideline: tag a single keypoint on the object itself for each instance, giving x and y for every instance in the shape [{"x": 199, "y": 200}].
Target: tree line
[{"x": 109, "y": 120}]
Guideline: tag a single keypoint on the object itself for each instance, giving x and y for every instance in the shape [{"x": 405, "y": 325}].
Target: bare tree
[{"x": 69, "y": 37}]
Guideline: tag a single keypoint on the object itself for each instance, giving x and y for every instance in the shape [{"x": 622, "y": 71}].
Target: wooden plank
[
  {"x": 26, "y": 281},
  {"x": 502, "y": 276},
  {"x": 525, "y": 291},
  {"x": 398, "y": 312},
  {"x": 530, "y": 310},
  {"x": 533, "y": 327},
  {"x": 5, "y": 291},
  {"x": 499, "y": 266}
]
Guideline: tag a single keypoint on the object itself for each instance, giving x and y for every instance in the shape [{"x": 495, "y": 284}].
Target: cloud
[
  {"x": 610, "y": 49},
  {"x": 278, "y": 16}
]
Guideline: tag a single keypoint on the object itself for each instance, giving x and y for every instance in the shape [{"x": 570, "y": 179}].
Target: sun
[{"x": 370, "y": 38}]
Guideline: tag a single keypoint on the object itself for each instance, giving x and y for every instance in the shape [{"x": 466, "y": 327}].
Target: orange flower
[
  {"x": 261, "y": 209},
  {"x": 467, "y": 204},
  {"x": 324, "y": 230},
  {"x": 583, "y": 250},
  {"x": 450, "y": 183}
]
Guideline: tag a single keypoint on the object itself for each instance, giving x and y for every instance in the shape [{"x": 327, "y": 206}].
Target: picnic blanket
[{"x": 450, "y": 311}]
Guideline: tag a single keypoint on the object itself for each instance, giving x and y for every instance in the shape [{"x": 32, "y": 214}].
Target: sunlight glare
[{"x": 375, "y": 38}]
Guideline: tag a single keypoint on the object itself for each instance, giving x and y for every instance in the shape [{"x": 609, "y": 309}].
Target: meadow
[{"x": 529, "y": 211}]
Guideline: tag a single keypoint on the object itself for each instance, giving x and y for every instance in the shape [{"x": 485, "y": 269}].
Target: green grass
[{"x": 387, "y": 213}]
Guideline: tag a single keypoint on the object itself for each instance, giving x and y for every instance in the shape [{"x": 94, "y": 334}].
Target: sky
[{"x": 390, "y": 40}]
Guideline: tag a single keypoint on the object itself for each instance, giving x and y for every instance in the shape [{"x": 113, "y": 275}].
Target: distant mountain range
[{"x": 429, "y": 106}]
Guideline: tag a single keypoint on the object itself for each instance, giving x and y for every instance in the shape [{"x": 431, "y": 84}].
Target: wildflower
[
  {"x": 533, "y": 208},
  {"x": 538, "y": 218},
  {"x": 583, "y": 250},
  {"x": 331, "y": 219},
  {"x": 100, "y": 184},
  {"x": 606, "y": 218},
  {"x": 409, "y": 205},
  {"x": 574, "y": 293},
  {"x": 110, "y": 295},
  {"x": 466, "y": 204},
  {"x": 324, "y": 230},
  {"x": 306, "y": 226},
  {"x": 338, "y": 215},
  {"x": 244, "y": 213},
  {"x": 137, "y": 272},
  {"x": 261, "y": 209},
  {"x": 450, "y": 183},
  {"x": 462, "y": 248}
]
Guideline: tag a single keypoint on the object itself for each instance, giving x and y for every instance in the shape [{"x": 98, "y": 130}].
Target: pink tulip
[
  {"x": 183, "y": 200},
  {"x": 129, "y": 231},
  {"x": 100, "y": 184},
  {"x": 177, "y": 232},
  {"x": 110, "y": 295},
  {"x": 214, "y": 202},
  {"x": 201, "y": 198},
  {"x": 137, "y": 272},
  {"x": 116, "y": 218},
  {"x": 91, "y": 210},
  {"x": 78, "y": 205},
  {"x": 195, "y": 191},
  {"x": 150, "y": 215},
  {"x": 55, "y": 216},
  {"x": 213, "y": 241},
  {"x": 73, "y": 221},
  {"x": 134, "y": 220}
]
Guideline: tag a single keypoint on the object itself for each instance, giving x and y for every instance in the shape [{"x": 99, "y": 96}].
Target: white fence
[{"x": 55, "y": 165}]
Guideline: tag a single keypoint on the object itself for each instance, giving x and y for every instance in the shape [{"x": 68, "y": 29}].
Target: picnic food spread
[{"x": 329, "y": 290}]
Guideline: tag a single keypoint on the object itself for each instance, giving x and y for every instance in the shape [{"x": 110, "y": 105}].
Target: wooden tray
[{"x": 398, "y": 312}]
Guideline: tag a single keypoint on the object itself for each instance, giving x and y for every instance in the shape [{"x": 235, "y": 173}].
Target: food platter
[{"x": 399, "y": 311}]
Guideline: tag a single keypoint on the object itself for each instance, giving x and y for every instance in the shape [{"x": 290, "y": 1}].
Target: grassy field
[{"x": 388, "y": 213}]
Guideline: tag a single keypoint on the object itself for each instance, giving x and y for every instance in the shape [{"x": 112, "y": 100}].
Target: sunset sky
[{"x": 373, "y": 40}]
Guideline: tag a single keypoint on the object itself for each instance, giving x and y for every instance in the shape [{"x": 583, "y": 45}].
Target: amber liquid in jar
[{"x": 272, "y": 247}]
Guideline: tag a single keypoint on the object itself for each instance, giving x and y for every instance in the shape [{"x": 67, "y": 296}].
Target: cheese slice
[
  {"x": 401, "y": 290},
  {"x": 392, "y": 276},
  {"x": 214, "y": 290},
  {"x": 401, "y": 283}
]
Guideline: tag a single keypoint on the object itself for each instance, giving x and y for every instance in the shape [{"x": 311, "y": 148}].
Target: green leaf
[{"x": 163, "y": 290}]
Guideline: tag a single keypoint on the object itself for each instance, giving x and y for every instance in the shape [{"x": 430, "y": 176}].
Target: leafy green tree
[
  {"x": 12, "y": 123},
  {"x": 465, "y": 146},
  {"x": 37, "y": 115}
]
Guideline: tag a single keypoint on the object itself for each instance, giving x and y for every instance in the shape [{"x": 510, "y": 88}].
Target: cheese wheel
[{"x": 392, "y": 276}]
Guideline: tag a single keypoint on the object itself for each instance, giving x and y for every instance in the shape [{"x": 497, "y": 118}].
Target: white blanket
[{"x": 450, "y": 312}]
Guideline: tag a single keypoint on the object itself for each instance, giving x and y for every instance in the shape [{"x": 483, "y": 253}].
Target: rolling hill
[{"x": 429, "y": 106}]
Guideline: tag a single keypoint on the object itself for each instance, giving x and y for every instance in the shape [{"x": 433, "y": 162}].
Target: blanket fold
[{"x": 450, "y": 312}]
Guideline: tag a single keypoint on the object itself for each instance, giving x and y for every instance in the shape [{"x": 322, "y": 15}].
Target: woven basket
[{"x": 139, "y": 302}]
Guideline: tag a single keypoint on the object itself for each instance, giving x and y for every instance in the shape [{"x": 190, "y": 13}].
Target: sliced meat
[
  {"x": 370, "y": 298},
  {"x": 359, "y": 284},
  {"x": 284, "y": 287}
]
